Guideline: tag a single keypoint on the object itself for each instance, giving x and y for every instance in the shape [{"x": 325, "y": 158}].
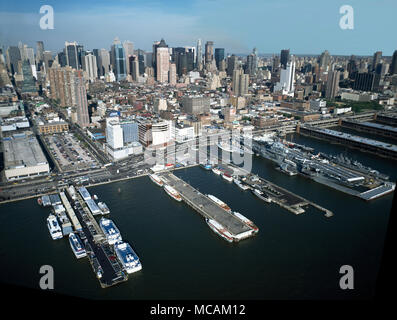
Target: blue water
[{"x": 292, "y": 257}]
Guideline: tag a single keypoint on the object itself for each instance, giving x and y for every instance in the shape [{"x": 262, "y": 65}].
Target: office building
[
  {"x": 209, "y": 52},
  {"x": 284, "y": 58},
  {"x": 162, "y": 62},
  {"x": 71, "y": 53},
  {"x": 286, "y": 85},
  {"x": 332, "y": 84},
  {"x": 219, "y": 56},
  {"x": 90, "y": 66},
  {"x": 393, "y": 65},
  {"x": 118, "y": 60}
]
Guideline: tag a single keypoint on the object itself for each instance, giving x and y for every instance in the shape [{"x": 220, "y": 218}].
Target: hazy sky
[{"x": 304, "y": 26}]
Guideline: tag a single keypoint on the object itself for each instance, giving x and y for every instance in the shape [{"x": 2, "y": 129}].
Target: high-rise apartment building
[{"x": 90, "y": 66}]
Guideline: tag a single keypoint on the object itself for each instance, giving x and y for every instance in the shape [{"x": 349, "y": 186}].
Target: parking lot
[{"x": 69, "y": 152}]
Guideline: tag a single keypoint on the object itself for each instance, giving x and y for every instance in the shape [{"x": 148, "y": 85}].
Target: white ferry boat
[
  {"x": 219, "y": 229},
  {"x": 156, "y": 179},
  {"x": 77, "y": 246},
  {"x": 104, "y": 208},
  {"x": 53, "y": 227},
  {"x": 172, "y": 193},
  {"x": 261, "y": 195},
  {"x": 128, "y": 257},
  {"x": 241, "y": 185},
  {"x": 219, "y": 202},
  {"x": 247, "y": 221},
  {"x": 110, "y": 230},
  {"x": 216, "y": 171}
]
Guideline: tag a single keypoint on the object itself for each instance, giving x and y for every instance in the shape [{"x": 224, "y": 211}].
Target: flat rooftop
[
  {"x": 379, "y": 144},
  {"x": 22, "y": 151}
]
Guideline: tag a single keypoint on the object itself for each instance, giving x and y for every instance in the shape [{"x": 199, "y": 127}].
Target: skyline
[{"x": 182, "y": 24}]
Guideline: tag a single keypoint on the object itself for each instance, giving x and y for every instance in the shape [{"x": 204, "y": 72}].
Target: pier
[
  {"x": 207, "y": 208},
  {"x": 389, "y": 118},
  {"x": 100, "y": 254},
  {"x": 364, "y": 144},
  {"x": 371, "y": 127}
]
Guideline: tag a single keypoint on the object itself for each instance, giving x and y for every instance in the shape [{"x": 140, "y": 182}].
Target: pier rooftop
[{"x": 207, "y": 207}]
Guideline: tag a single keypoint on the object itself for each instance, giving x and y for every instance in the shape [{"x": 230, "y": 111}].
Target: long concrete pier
[{"x": 207, "y": 208}]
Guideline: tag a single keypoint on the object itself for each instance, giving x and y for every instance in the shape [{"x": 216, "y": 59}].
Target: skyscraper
[
  {"x": 287, "y": 79},
  {"x": 324, "y": 60},
  {"x": 252, "y": 63},
  {"x": 13, "y": 56},
  {"x": 209, "y": 52},
  {"x": 129, "y": 51},
  {"x": 90, "y": 66},
  {"x": 232, "y": 63},
  {"x": 83, "y": 118},
  {"x": 199, "y": 55},
  {"x": 172, "y": 74},
  {"x": 72, "y": 58},
  {"x": 376, "y": 60},
  {"x": 117, "y": 56},
  {"x": 393, "y": 65},
  {"x": 332, "y": 84},
  {"x": 39, "y": 53},
  {"x": 134, "y": 67},
  {"x": 240, "y": 82},
  {"x": 284, "y": 57},
  {"x": 162, "y": 61},
  {"x": 28, "y": 84},
  {"x": 104, "y": 61},
  {"x": 219, "y": 56}
]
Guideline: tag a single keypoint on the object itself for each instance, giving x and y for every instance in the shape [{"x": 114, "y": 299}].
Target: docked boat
[
  {"x": 172, "y": 193},
  {"x": 227, "y": 177},
  {"x": 77, "y": 246},
  {"x": 104, "y": 208},
  {"x": 241, "y": 185},
  {"x": 261, "y": 195},
  {"x": 219, "y": 202},
  {"x": 216, "y": 171},
  {"x": 156, "y": 179},
  {"x": 247, "y": 221},
  {"x": 206, "y": 166},
  {"x": 53, "y": 227},
  {"x": 39, "y": 201},
  {"x": 127, "y": 257},
  {"x": 95, "y": 197},
  {"x": 110, "y": 230},
  {"x": 219, "y": 230}
]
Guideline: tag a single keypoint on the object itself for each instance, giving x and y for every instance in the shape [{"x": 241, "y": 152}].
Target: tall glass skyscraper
[
  {"x": 219, "y": 56},
  {"x": 118, "y": 60}
]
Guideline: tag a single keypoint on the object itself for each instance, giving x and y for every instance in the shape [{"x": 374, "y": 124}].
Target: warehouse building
[{"x": 23, "y": 157}]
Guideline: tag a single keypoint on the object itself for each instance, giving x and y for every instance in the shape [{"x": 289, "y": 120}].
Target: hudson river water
[{"x": 292, "y": 257}]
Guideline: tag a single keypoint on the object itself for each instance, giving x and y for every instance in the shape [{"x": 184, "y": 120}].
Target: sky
[{"x": 303, "y": 26}]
